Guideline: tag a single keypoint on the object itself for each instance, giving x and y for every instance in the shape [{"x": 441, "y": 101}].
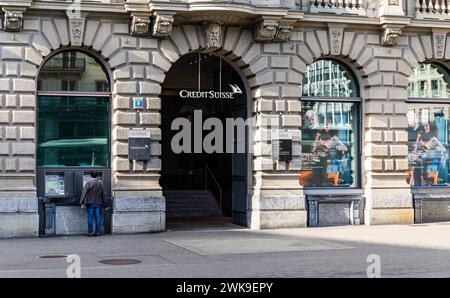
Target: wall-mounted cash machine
[{"x": 62, "y": 188}]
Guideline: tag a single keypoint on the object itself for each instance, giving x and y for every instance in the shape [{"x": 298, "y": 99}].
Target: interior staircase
[{"x": 191, "y": 203}]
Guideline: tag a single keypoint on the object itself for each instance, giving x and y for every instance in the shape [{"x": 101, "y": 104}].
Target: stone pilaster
[
  {"x": 388, "y": 196},
  {"x": 278, "y": 200},
  {"x": 18, "y": 201},
  {"x": 138, "y": 205}
]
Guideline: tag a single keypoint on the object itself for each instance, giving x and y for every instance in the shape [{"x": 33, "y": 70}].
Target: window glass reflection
[
  {"x": 329, "y": 78},
  {"x": 329, "y": 144},
  {"x": 429, "y": 81},
  {"x": 72, "y": 71},
  {"x": 73, "y": 131}
]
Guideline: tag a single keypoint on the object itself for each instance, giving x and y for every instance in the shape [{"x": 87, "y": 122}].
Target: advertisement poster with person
[
  {"x": 328, "y": 145},
  {"x": 428, "y": 146}
]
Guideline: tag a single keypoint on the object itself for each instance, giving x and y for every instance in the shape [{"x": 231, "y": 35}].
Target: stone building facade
[{"x": 270, "y": 44}]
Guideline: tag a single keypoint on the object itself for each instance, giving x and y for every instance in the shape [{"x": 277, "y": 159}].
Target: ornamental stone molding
[
  {"x": 140, "y": 25},
  {"x": 266, "y": 30},
  {"x": 13, "y": 20},
  {"x": 214, "y": 35},
  {"x": 162, "y": 25}
]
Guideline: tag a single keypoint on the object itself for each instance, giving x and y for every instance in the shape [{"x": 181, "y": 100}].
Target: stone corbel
[
  {"x": 284, "y": 31},
  {"x": 13, "y": 19},
  {"x": 391, "y": 35},
  {"x": 140, "y": 24},
  {"x": 162, "y": 24},
  {"x": 392, "y": 26},
  {"x": 266, "y": 30},
  {"x": 13, "y": 14},
  {"x": 213, "y": 35}
]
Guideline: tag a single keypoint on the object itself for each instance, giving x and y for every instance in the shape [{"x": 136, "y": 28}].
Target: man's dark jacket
[{"x": 93, "y": 193}]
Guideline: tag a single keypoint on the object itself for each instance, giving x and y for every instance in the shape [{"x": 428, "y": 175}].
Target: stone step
[{"x": 190, "y": 203}]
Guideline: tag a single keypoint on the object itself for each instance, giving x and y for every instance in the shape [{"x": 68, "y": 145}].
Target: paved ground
[{"x": 229, "y": 251}]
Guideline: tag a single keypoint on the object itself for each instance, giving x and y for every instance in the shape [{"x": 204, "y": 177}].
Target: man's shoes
[
  {"x": 91, "y": 235},
  {"x": 97, "y": 234}
]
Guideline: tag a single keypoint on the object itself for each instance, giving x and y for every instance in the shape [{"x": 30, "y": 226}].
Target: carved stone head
[
  {"x": 162, "y": 26},
  {"x": 213, "y": 35},
  {"x": 391, "y": 36},
  {"x": 13, "y": 21},
  {"x": 266, "y": 30},
  {"x": 140, "y": 26},
  {"x": 284, "y": 33}
]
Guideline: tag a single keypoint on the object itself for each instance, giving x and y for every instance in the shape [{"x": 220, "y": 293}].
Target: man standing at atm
[{"x": 93, "y": 198}]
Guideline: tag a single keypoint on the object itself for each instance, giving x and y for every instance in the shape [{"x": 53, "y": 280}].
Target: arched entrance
[
  {"x": 73, "y": 138},
  {"x": 204, "y": 141}
]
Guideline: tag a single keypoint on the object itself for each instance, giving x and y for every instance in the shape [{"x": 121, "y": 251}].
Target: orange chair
[
  {"x": 334, "y": 177},
  {"x": 433, "y": 176}
]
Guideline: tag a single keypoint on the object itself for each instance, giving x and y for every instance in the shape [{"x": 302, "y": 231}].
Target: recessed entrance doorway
[{"x": 204, "y": 142}]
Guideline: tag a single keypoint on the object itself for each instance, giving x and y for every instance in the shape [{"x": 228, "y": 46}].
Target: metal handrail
[{"x": 208, "y": 170}]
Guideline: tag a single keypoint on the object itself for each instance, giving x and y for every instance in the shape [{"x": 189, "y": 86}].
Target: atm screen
[{"x": 54, "y": 184}]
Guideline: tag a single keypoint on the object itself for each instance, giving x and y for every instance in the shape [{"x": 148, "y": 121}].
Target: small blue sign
[{"x": 138, "y": 103}]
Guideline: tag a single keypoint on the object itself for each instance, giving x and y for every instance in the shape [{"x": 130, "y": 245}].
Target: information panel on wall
[
  {"x": 139, "y": 145},
  {"x": 282, "y": 145},
  {"x": 54, "y": 184}
]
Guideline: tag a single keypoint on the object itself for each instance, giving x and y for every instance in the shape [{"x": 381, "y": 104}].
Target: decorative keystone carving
[
  {"x": 266, "y": 30},
  {"x": 140, "y": 25},
  {"x": 284, "y": 33},
  {"x": 162, "y": 25},
  {"x": 336, "y": 33},
  {"x": 214, "y": 34},
  {"x": 439, "y": 41},
  {"x": 13, "y": 21},
  {"x": 77, "y": 23},
  {"x": 390, "y": 36},
  {"x": 76, "y": 26}
]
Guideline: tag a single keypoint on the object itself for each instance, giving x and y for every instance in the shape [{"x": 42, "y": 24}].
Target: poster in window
[
  {"x": 329, "y": 146},
  {"x": 428, "y": 145}
]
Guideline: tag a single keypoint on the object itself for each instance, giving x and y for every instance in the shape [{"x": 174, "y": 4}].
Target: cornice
[
  {"x": 415, "y": 23},
  {"x": 85, "y": 6},
  {"x": 16, "y": 4},
  {"x": 246, "y": 13}
]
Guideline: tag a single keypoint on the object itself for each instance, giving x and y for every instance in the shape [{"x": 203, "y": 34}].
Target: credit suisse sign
[{"x": 235, "y": 90}]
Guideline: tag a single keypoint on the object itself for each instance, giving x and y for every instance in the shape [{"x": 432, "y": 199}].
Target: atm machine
[{"x": 59, "y": 192}]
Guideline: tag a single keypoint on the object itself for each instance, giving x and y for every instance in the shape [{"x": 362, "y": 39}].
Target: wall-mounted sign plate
[
  {"x": 139, "y": 145},
  {"x": 282, "y": 145},
  {"x": 138, "y": 103}
]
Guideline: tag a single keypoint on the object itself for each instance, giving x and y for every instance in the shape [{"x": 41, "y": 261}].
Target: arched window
[
  {"x": 428, "y": 125},
  {"x": 330, "y": 116},
  {"x": 73, "y": 112}
]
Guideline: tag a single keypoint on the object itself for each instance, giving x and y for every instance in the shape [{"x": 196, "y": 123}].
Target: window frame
[
  {"x": 431, "y": 101},
  {"x": 77, "y": 94},
  {"x": 357, "y": 100}
]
